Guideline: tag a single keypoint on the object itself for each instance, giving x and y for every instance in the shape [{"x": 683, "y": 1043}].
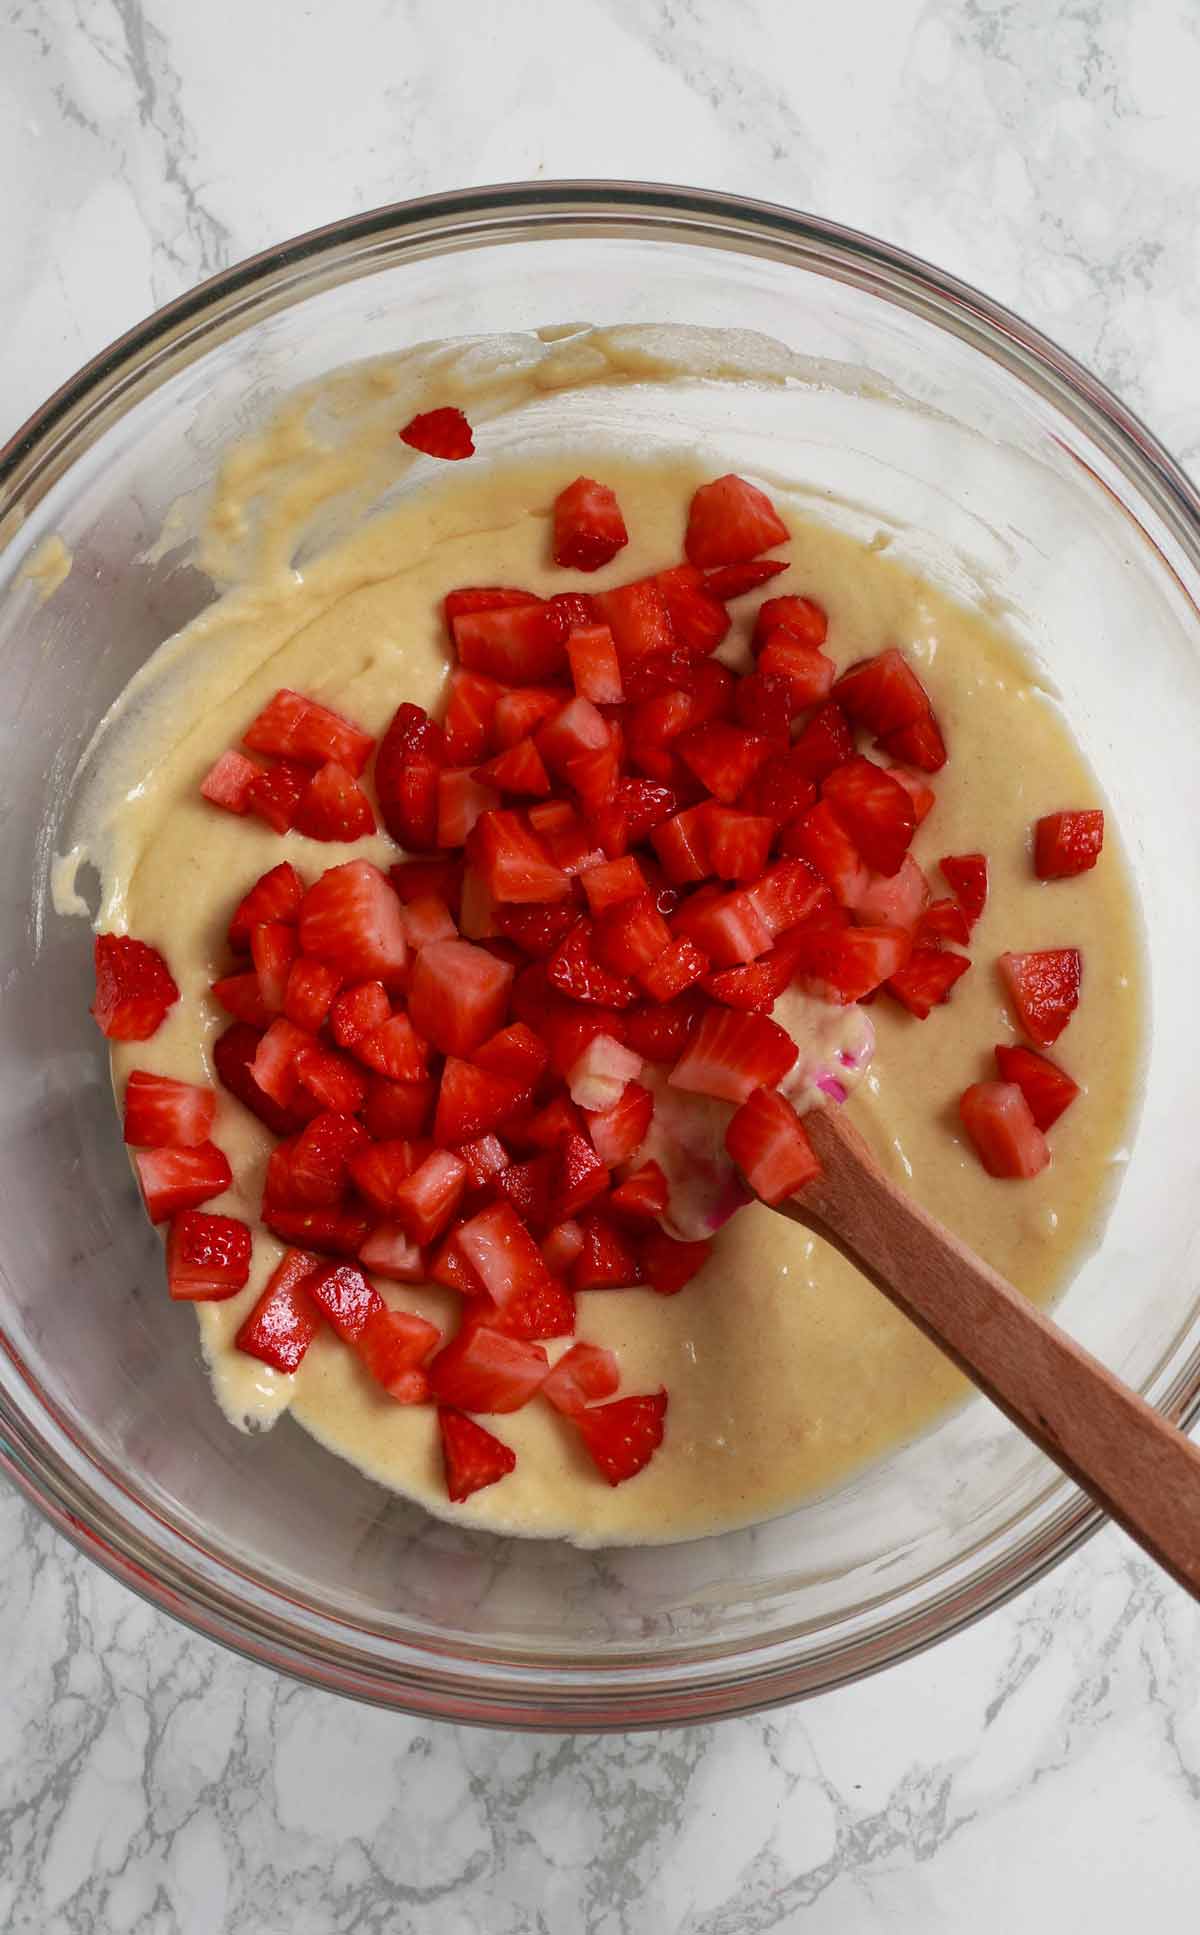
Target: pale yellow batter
[{"x": 785, "y": 1369}]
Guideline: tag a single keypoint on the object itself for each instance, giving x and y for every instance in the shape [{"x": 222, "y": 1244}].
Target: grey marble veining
[{"x": 1042, "y": 1769}]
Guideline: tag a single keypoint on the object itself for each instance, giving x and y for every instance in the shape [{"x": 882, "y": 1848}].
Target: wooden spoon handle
[{"x": 1134, "y": 1462}]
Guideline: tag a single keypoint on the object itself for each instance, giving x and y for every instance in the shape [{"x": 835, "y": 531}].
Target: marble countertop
[{"x": 1041, "y": 1769}]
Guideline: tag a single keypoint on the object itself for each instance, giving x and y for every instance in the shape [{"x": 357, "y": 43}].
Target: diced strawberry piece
[
  {"x": 731, "y": 581},
  {"x": 681, "y": 844},
  {"x": 575, "y": 610},
  {"x": 766, "y": 702},
  {"x": 345, "y": 1298},
  {"x": 618, "y": 1132},
  {"x": 444, "y": 433},
  {"x": 594, "y": 776},
  {"x": 273, "y": 948},
  {"x": 394, "y": 1049},
  {"x": 536, "y": 930},
  {"x": 515, "y": 1051},
  {"x": 526, "y": 1185},
  {"x": 545, "y": 1310},
  {"x": 471, "y": 701},
  {"x": 293, "y": 727},
  {"x": 420, "y": 880},
  {"x": 461, "y": 798},
  {"x": 611, "y": 882},
  {"x": 767, "y": 1141},
  {"x": 1000, "y": 1124},
  {"x": 629, "y": 936},
  {"x": 677, "y": 968},
  {"x": 819, "y": 837},
  {"x": 562, "y": 1245},
  {"x": 357, "y": 1011},
  {"x": 809, "y": 673},
  {"x": 658, "y": 673},
  {"x": 579, "y": 1177},
  {"x": 606, "y": 1261},
  {"x": 333, "y": 806},
  {"x": 276, "y": 896},
  {"x": 308, "y": 995},
  {"x": 177, "y": 1179},
  {"x": 737, "y": 843},
  {"x": 331, "y": 1079},
  {"x": 967, "y": 875},
  {"x": 732, "y": 1054},
  {"x": 803, "y": 618},
  {"x": 582, "y": 1375},
  {"x": 622, "y": 1437},
  {"x": 449, "y": 1266},
  {"x": 698, "y": 619},
  {"x": 519, "y": 771},
  {"x": 485, "y": 1157},
  {"x": 546, "y": 1129},
  {"x": 588, "y": 527},
  {"x": 926, "y": 980},
  {"x": 595, "y": 667},
  {"x": 875, "y": 810},
  {"x": 397, "y": 1108},
  {"x": 472, "y": 1102},
  {"x": 521, "y": 645},
  {"x": 1047, "y": 1088},
  {"x": 787, "y": 893},
  {"x": 1044, "y": 990},
  {"x": 351, "y": 918},
  {"x": 842, "y": 964},
  {"x": 825, "y": 744},
  {"x": 575, "y": 970},
  {"x": 458, "y": 995},
  {"x": 724, "y": 757},
  {"x": 233, "y": 1056},
  {"x": 428, "y": 920},
  {"x": 569, "y": 843},
  {"x": 275, "y": 1062},
  {"x": 389, "y": 1253},
  {"x": 942, "y": 920},
  {"x": 320, "y": 1160},
  {"x": 598, "y": 1078},
  {"x": 519, "y": 713},
  {"x": 513, "y": 863},
  {"x": 668, "y": 1266},
  {"x": 646, "y": 805},
  {"x": 484, "y": 598},
  {"x": 1067, "y": 843},
  {"x": 730, "y": 522},
  {"x": 643, "y": 1196},
  {"x": 275, "y": 793},
  {"x": 567, "y": 1028},
  {"x": 757, "y": 985},
  {"x": 578, "y": 728},
  {"x": 922, "y": 796},
  {"x": 392, "y": 1345},
  {"x": 883, "y": 694},
  {"x": 660, "y": 1033},
  {"x": 483, "y": 1370},
  {"x": 240, "y": 996},
  {"x": 920, "y": 744},
  {"x": 208, "y": 1257},
  {"x": 227, "y": 783},
  {"x": 636, "y": 615},
  {"x": 161, "y": 1113},
  {"x": 472, "y": 1457},
  {"x": 411, "y": 754},
  {"x": 284, "y": 1321},
  {"x": 134, "y": 989},
  {"x": 332, "y": 1232},
  {"x": 896, "y": 900},
  {"x": 726, "y": 927},
  {"x": 425, "y": 1201}
]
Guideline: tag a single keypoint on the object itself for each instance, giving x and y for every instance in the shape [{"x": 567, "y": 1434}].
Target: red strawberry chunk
[
  {"x": 926, "y": 980},
  {"x": 999, "y": 1122},
  {"x": 333, "y": 1232},
  {"x": 274, "y": 795},
  {"x": 574, "y": 610},
  {"x": 737, "y": 842},
  {"x": 421, "y": 880},
  {"x": 595, "y": 667},
  {"x": 461, "y": 798},
  {"x": 546, "y": 1129},
  {"x": 803, "y": 618},
  {"x": 485, "y": 598},
  {"x": 622, "y": 1437},
  {"x": 389, "y": 1253},
  {"x": 875, "y": 810},
  {"x": 352, "y": 919},
  {"x": 392, "y": 1345},
  {"x": 521, "y": 645},
  {"x": 276, "y": 896},
  {"x": 471, "y": 1456},
  {"x": 618, "y": 1132},
  {"x": 161, "y": 1113},
  {"x": 756, "y": 986},
  {"x": 536, "y": 930},
  {"x": 646, "y": 805},
  {"x": 809, "y": 673},
  {"x": 333, "y": 806},
  {"x": 485, "y": 1157},
  {"x": 177, "y": 1179},
  {"x": 681, "y": 844},
  {"x": 427, "y": 920},
  {"x": 394, "y": 1049},
  {"x": 668, "y": 1266},
  {"x": 233, "y": 1056},
  {"x": 240, "y": 996},
  {"x": 899, "y": 899},
  {"x": 943, "y": 920},
  {"x": 444, "y": 433},
  {"x": 578, "y": 728},
  {"x": 273, "y": 948},
  {"x": 583, "y": 1374},
  {"x": 471, "y": 701},
  {"x": 882, "y": 694},
  {"x": 228, "y": 782},
  {"x": 344, "y": 1298},
  {"x": 332, "y": 1080},
  {"x": 448, "y": 1265},
  {"x": 1044, "y": 990},
  {"x": 661, "y": 1033},
  {"x": 458, "y": 995},
  {"x": 483, "y": 1370},
  {"x": 134, "y": 990},
  {"x": 562, "y": 1245},
  {"x": 1065, "y": 844},
  {"x": 842, "y": 964},
  {"x": 594, "y": 777},
  {"x": 636, "y": 615},
  {"x": 319, "y": 1161},
  {"x": 631, "y": 935},
  {"x": 397, "y": 1108},
  {"x": 606, "y": 1261},
  {"x": 967, "y": 875},
  {"x": 643, "y": 1196},
  {"x": 275, "y": 1062},
  {"x": 284, "y": 1321},
  {"x": 526, "y": 1185},
  {"x": 293, "y": 727},
  {"x": 726, "y": 927},
  {"x": 575, "y": 970},
  {"x": 514, "y": 1051},
  {"x": 579, "y": 1177},
  {"x": 766, "y": 702},
  {"x": 566, "y": 839},
  {"x": 766, "y": 1139},
  {"x": 425, "y": 1202},
  {"x": 1047, "y": 1088},
  {"x": 732, "y": 1054},
  {"x": 545, "y": 1310},
  {"x": 308, "y": 996},
  {"x": 513, "y": 863},
  {"x": 519, "y": 771},
  {"x": 472, "y": 1102},
  {"x": 920, "y": 744},
  {"x": 729, "y": 522},
  {"x": 922, "y": 796},
  {"x": 588, "y": 527},
  {"x": 730, "y": 581},
  {"x": 208, "y": 1257},
  {"x": 357, "y": 1011},
  {"x": 787, "y": 893},
  {"x": 411, "y": 754},
  {"x": 819, "y": 837},
  {"x": 677, "y": 968},
  {"x": 519, "y": 713},
  {"x": 698, "y": 620},
  {"x": 724, "y": 757},
  {"x": 612, "y": 882}
]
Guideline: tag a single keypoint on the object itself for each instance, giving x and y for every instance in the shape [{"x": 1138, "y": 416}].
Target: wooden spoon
[{"x": 1138, "y": 1466}]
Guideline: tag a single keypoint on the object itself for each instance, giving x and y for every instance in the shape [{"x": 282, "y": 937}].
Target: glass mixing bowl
[{"x": 995, "y": 461}]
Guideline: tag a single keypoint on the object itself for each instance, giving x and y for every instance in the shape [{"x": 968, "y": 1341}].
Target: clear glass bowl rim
[{"x": 91, "y": 1507}]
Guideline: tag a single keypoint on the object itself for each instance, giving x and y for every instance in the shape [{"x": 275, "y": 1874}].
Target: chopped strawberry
[
  {"x": 276, "y": 1060},
  {"x": 875, "y": 810},
  {"x": 643, "y": 1196},
  {"x": 443, "y": 433},
  {"x": 583, "y": 1374},
  {"x": 484, "y": 598},
  {"x": 922, "y": 796},
  {"x": 472, "y": 1102},
  {"x": 234, "y": 1055},
  {"x": 787, "y": 893},
  {"x": 276, "y": 896},
  {"x": 809, "y": 673},
  {"x": 575, "y": 609},
  {"x": 611, "y": 882},
  {"x": 333, "y": 1081},
  {"x": 485, "y": 1157},
  {"x": 660, "y": 1032},
  {"x": 731, "y": 581},
  {"x": 766, "y": 702},
  {"x": 728, "y": 928},
  {"x": 618, "y": 1132},
  {"x": 393, "y": 1344},
  {"x": 622, "y": 1437},
  {"x": 843, "y": 964},
  {"x": 320, "y": 1160},
  {"x": 394, "y": 1049},
  {"x": 546, "y": 1129},
  {"x": 177, "y": 1179},
  {"x": 681, "y": 844},
  {"x": 899, "y": 899},
  {"x": 519, "y": 771},
  {"x": 730, "y": 522},
  {"x": 595, "y": 667},
  {"x": 919, "y": 744},
  {"x": 545, "y": 1310},
  {"x": 668, "y": 1266},
  {"x": 575, "y": 970},
  {"x": 458, "y": 995},
  {"x": 646, "y": 805},
  {"x": 134, "y": 989},
  {"x": 967, "y": 875},
  {"x": 333, "y": 1232},
  {"x": 732, "y": 1054},
  {"x": 241, "y": 996},
  {"x": 569, "y": 843},
  {"x": 1067, "y": 843},
  {"x": 333, "y": 806},
  {"x": 440, "y": 879},
  {"x": 883, "y": 693},
  {"x": 426, "y": 1200},
  {"x": 296, "y": 728},
  {"x": 631, "y": 935},
  {"x": 351, "y": 918},
  {"x": 514, "y": 1051},
  {"x": 483, "y": 1370},
  {"x": 308, "y": 996},
  {"x": 942, "y": 920},
  {"x": 599, "y": 1077},
  {"x": 1047, "y": 1088},
  {"x": 606, "y": 1261},
  {"x": 397, "y": 1108},
  {"x": 724, "y": 757},
  {"x": 767, "y": 1141},
  {"x": 578, "y": 728},
  {"x": 579, "y": 1177},
  {"x": 273, "y": 948},
  {"x": 389, "y": 1253},
  {"x": 284, "y": 1321},
  {"x": 999, "y": 1122},
  {"x": 471, "y": 1456},
  {"x": 636, "y": 615},
  {"x": 208, "y": 1257},
  {"x": 344, "y": 1298},
  {"x": 513, "y": 862},
  {"x": 519, "y": 713},
  {"x": 427, "y": 920},
  {"x": 357, "y": 1011},
  {"x": 526, "y": 1185},
  {"x": 227, "y": 783},
  {"x": 588, "y": 527},
  {"x": 539, "y": 929},
  {"x": 471, "y": 701},
  {"x": 803, "y": 618},
  {"x": 562, "y": 1245},
  {"x": 594, "y": 776},
  {"x": 755, "y": 986},
  {"x": 274, "y": 795},
  {"x": 926, "y": 980},
  {"x": 1044, "y": 989},
  {"x": 461, "y": 798},
  {"x": 737, "y": 843},
  {"x": 698, "y": 620},
  {"x": 522, "y": 645},
  {"x": 448, "y": 1265},
  {"x": 680, "y": 965},
  {"x": 161, "y": 1113},
  {"x": 411, "y": 754}
]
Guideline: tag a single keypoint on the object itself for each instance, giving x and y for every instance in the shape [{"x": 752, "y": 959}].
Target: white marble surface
[{"x": 1044, "y": 1768}]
